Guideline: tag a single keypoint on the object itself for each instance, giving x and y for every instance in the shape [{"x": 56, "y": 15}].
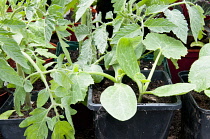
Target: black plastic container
[
  {"x": 152, "y": 120},
  {"x": 195, "y": 120}
]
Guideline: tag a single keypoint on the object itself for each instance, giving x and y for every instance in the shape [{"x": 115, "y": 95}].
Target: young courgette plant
[
  {"x": 130, "y": 41},
  {"x": 24, "y": 37}
]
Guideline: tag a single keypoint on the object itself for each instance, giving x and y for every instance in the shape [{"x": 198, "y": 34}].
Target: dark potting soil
[
  {"x": 201, "y": 99},
  {"x": 100, "y": 87}
]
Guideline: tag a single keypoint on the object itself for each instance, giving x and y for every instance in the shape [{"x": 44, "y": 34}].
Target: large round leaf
[{"x": 119, "y": 101}]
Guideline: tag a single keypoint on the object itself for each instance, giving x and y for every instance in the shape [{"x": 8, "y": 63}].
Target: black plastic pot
[
  {"x": 195, "y": 120},
  {"x": 152, "y": 120}
]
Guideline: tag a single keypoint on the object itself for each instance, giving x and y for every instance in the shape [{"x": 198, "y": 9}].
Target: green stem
[
  {"x": 99, "y": 60},
  {"x": 152, "y": 71},
  {"x": 17, "y": 10},
  {"x": 43, "y": 79},
  {"x": 105, "y": 75}
]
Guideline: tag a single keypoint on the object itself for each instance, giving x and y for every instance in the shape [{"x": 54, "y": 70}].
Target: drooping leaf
[
  {"x": 19, "y": 99},
  {"x": 79, "y": 88},
  {"x": 196, "y": 20},
  {"x": 170, "y": 47},
  {"x": 123, "y": 99},
  {"x": 205, "y": 50},
  {"x": 127, "y": 57},
  {"x": 88, "y": 53},
  {"x": 43, "y": 97},
  {"x": 94, "y": 68},
  {"x": 118, "y": 4},
  {"x": 9, "y": 74},
  {"x": 49, "y": 28},
  {"x": 177, "y": 18},
  {"x": 12, "y": 49},
  {"x": 6, "y": 114},
  {"x": 37, "y": 124},
  {"x": 173, "y": 89},
  {"x": 160, "y": 25},
  {"x": 100, "y": 38},
  {"x": 129, "y": 31},
  {"x": 82, "y": 7},
  {"x": 81, "y": 32},
  {"x": 63, "y": 130},
  {"x": 199, "y": 72},
  {"x": 28, "y": 86}
]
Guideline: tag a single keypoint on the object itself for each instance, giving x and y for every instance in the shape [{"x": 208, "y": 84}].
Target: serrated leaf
[
  {"x": 37, "y": 131},
  {"x": 127, "y": 57},
  {"x": 62, "y": 79},
  {"x": 43, "y": 97},
  {"x": 118, "y": 4},
  {"x": 155, "y": 2},
  {"x": 12, "y": 49},
  {"x": 88, "y": 53},
  {"x": 128, "y": 31},
  {"x": 9, "y": 74},
  {"x": 160, "y": 25},
  {"x": 170, "y": 47},
  {"x": 100, "y": 38},
  {"x": 196, "y": 20},
  {"x": 6, "y": 114},
  {"x": 205, "y": 50},
  {"x": 177, "y": 18},
  {"x": 198, "y": 73},
  {"x": 156, "y": 9},
  {"x": 79, "y": 88},
  {"x": 82, "y": 7},
  {"x": 13, "y": 24},
  {"x": 81, "y": 32},
  {"x": 28, "y": 86},
  {"x": 63, "y": 130},
  {"x": 45, "y": 53},
  {"x": 49, "y": 28},
  {"x": 173, "y": 89},
  {"x": 5, "y": 32},
  {"x": 123, "y": 99},
  {"x": 19, "y": 99},
  {"x": 94, "y": 68}
]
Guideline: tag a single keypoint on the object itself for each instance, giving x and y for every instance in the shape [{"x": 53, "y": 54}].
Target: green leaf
[
  {"x": 199, "y": 72},
  {"x": 156, "y": 9},
  {"x": 13, "y": 24},
  {"x": 128, "y": 31},
  {"x": 110, "y": 58},
  {"x": 82, "y": 7},
  {"x": 119, "y": 101},
  {"x": 88, "y": 53},
  {"x": 81, "y": 32},
  {"x": 109, "y": 15},
  {"x": 62, "y": 91},
  {"x": 155, "y": 2},
  {"x": 28, "y": 86},
  {"x": 9, "y": 74},
  {"x": 79, "y": 88},
  {"x": 205, "y": 50},
  {"x": 160, "y": 25},
  {"x": 207, "y": 92},
  {"x": 173, "y": 89},
  {"x": 63, "y": 130},
  {"x": 43, "y": 97},
  {"x": 94, "y": 68},
  {"x": 45, "y": 53},
  {"x": 177, "y": 18},
  {"x": 49, "y": 25},
  {"x": 118, "y": 4},
  {"x": 12, "y": 49},
  {"x": 100, "y": 38},
  {"x": 5, "y": 32},
  {"x": 19, "y": 99},
  {"x": 62, "y": 79},
  {"x": 196, "y": 20},
  {"x": 170, "y": 47},
  {"x": 37, "y": 131},
  {"x": 127, "y": 57},
  {"x": 6, "y": 114}
]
